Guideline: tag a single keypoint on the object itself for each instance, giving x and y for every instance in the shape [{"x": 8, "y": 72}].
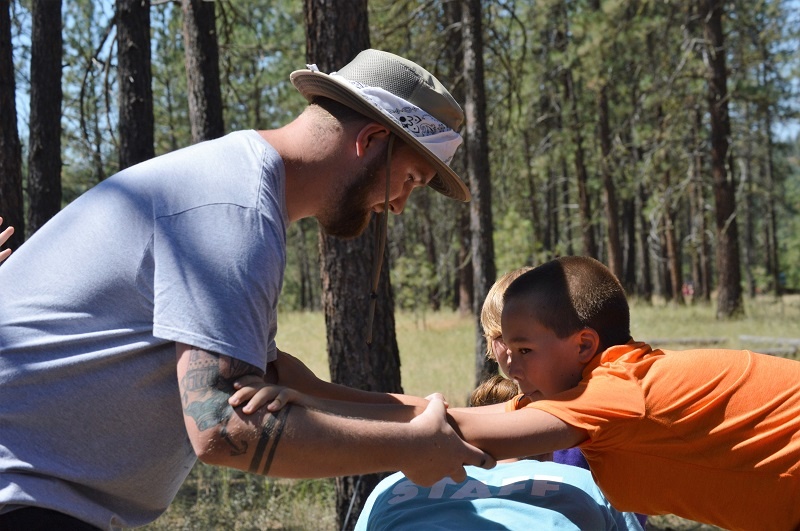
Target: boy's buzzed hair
[{"x": 573, "y": 292}]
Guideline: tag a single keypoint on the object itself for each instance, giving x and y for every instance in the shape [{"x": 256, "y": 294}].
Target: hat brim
[{"x": 311, "y": 84}]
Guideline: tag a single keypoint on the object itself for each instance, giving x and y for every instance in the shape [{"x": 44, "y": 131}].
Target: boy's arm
[
  {"x": 289, "y": 371},
  {"x": 527, "y": 431}
]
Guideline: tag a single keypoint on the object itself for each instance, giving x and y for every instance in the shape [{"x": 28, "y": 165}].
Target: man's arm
[{"x": 300, "y": 442}]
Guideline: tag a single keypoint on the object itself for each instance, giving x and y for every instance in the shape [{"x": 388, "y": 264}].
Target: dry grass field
[{"x": 437, "y": 355}]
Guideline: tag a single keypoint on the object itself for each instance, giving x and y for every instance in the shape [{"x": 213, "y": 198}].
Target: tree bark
[
  {"x": 729, "y": 294},
  {"x": 581, "y": 175},
  {"x": 136, "y": 122},
  {"x": 202, "y": 69},
  {"x": 672, "y": 250},
  {"x": 609, "y": 188},
  {"x": 11, "y": 205},
  {"x": 336, "y": 31},
  {"x": 645, "y": 280},
  {"x": 629, "y": 230},
  {"x": 44, "y": 152},
  {"x": 479, "y": 174},
  {"x": 772, "y": 261},
  {"x": 702, "y": 270},
  {"x": 464, "y": 276}
]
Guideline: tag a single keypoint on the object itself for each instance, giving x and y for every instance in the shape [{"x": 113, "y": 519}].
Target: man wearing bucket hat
[{"x": 126, "y": 319}]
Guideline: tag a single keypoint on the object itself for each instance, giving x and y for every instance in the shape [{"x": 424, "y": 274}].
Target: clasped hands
[{"x": 442, "y": 452}]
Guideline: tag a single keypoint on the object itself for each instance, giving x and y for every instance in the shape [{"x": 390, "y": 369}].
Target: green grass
[{"x": 437, "y": 354}]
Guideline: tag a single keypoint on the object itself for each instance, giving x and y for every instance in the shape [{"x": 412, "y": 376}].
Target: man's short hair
[
  {"x": 573, "y": 292},
  {"x": 339, "y": 111}
]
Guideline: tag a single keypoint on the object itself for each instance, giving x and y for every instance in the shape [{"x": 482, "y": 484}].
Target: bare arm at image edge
[
  {"x": 4, "y": 236},
  {"x": 302, "y": 443}
]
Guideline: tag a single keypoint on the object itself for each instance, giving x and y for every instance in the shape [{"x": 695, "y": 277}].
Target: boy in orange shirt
[{"x": 711, "y": 435}]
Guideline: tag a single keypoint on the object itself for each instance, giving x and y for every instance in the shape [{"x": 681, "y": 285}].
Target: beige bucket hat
[{"x": 372, "y": 83}]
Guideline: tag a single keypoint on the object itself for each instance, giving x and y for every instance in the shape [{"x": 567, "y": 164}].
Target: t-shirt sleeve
[
  {"x": 605, "y": 406},
  {"x": 218, "y": 274}
]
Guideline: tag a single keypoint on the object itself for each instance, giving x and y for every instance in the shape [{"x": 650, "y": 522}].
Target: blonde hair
[
  {"x": 494, "y": 390},
  {"x": 493, "y": 308}
]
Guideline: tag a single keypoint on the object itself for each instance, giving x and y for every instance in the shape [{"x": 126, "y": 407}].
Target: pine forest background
[
  {"x": 659, "y": 136},
  {"x": 597, "y": 118}
]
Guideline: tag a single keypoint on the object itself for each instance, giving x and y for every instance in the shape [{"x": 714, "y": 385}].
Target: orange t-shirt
[{"x": 709, "y": 435}]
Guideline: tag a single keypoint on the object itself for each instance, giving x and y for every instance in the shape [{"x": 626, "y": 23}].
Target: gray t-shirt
[{"x": 188, "y": 247}]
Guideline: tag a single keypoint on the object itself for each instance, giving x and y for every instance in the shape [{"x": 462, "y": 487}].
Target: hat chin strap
[{"x": 380, "y": 243}]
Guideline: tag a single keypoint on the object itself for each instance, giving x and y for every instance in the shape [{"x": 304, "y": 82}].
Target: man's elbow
[{"x": 210, "y": 447}]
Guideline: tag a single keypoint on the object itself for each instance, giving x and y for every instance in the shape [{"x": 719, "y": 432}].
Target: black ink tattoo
[
  {"x": 270, "y": 436},
  {"x": 207, "y": 385}
]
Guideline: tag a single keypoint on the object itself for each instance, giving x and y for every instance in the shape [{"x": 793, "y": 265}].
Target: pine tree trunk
[
  {"x": 136, "y": 122},
  {"x": 479, "y": 173},
  {"x": 703, "y": 269},
  {"x": 772, "y": 261},
  {"x": 671, "y": 250},
  {"x": 629, "y": 230},
  {"x": 609, "y": 188},
  {"x": 202, "y": 69},
  {"x": 335, "y": 33},
  {"x": 582, "y": 178},
  {"x": 464, "y": 267},
  {"x": 729, "y": 296},
  {"x": 44, "y": 152},
  {"x": 645, "y": 281},
  {"x": 463, "y": 282},
  {"x": 11, "y": 206}
]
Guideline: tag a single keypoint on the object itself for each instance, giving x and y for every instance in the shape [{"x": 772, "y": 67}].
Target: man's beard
[{"x": 348, "y": 215}]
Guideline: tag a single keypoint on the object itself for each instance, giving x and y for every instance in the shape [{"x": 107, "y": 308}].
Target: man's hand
[{"x": 442, "y": 452}]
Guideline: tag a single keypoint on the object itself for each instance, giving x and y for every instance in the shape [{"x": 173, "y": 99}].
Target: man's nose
[{"x": 397, "y": 204}]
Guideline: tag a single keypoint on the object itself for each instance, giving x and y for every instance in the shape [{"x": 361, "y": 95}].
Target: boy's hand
[{"x": 254, "y": 389}]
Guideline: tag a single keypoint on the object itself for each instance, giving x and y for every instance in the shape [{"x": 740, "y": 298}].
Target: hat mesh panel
[{"x": 388, "y": 75}]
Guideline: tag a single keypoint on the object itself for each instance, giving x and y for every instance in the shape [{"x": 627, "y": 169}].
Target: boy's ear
[
  {"x": 589, "y": 343},
  {"x": 369, "y": 136}
]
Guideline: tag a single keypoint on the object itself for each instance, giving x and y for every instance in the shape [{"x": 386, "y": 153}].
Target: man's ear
[
  {"x": 588, "y": 344},
  {"x": 371, "y": 135}
]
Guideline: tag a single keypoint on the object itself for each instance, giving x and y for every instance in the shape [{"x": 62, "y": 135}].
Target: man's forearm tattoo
[
  {"x": 207, "y": 384},
  {"x": 268, "y": 442}
]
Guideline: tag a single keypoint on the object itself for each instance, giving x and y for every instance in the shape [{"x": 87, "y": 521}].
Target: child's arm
[
  {"x": 524, "y": 432},
  {"x": 288, "y": 371},
  {"x": 255, "y": 393}
]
